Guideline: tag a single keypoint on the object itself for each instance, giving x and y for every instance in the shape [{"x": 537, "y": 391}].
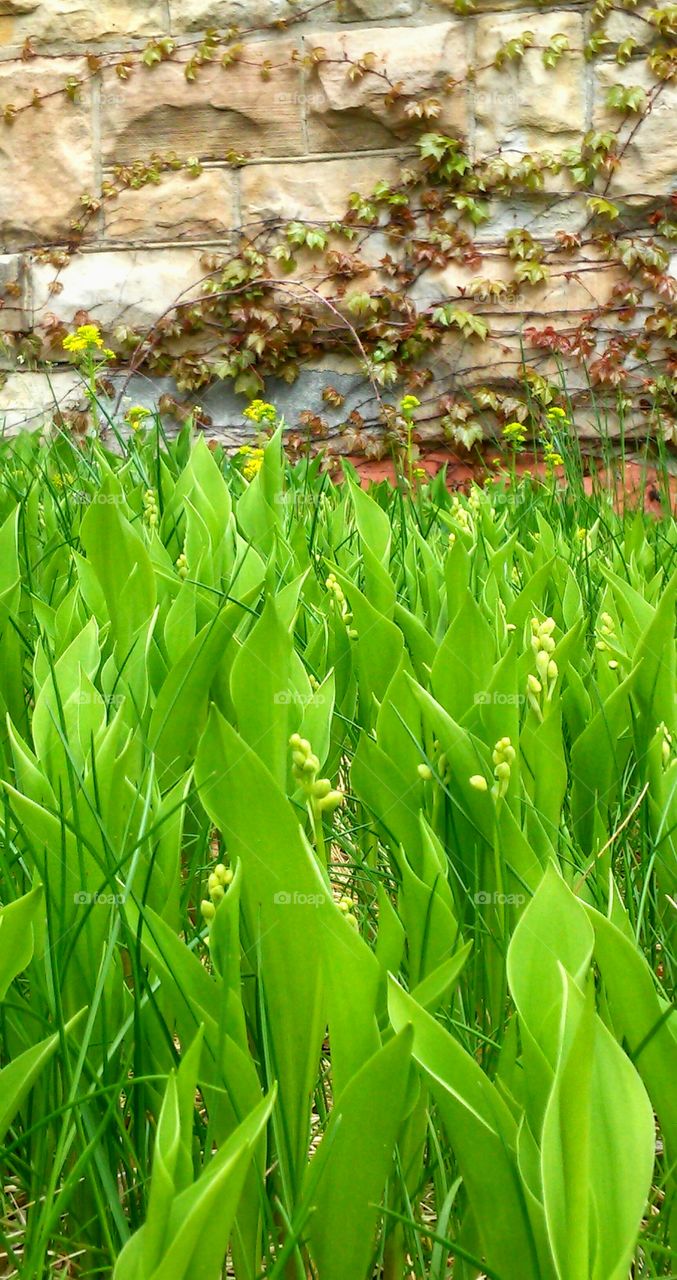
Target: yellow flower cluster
[
  {"x": 259, "y": 411},
  {"x": 136, "y": 416},
  {"x": 86, "y": 339},
  {"x": 252, "y": 460},
  {"x": 515, "y": 433}
]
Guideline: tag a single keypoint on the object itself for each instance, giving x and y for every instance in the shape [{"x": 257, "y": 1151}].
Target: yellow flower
[
  {"x": 408, "y": 404},
  {"x": 136, "y": 416},
  {"x": 259, "y": 411},
  {"x": 252, "y": 460},
  {"x": 86, "y": 338}
]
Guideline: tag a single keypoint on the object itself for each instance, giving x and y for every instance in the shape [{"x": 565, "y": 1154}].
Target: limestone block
[
  {"x": 354, "y": 10},
  {"x": 317, "y": 191},
  {"x": 15, "y": 309},
  {"x": 621, "y": 26},
  {"x": 132, "y": 287},
  {"x": 346, "y": 114},
  {"x": 28, "y": 401},
  {"x": 524, "y": 106},
  {"x": 541, "y": 215},
  {"x": 46, "y": 155},
  {"x": 224, "y": 110},
  {"x": 177, "y": 208},
  {"x": 572, "y": 289},
  {"x": 649, "y": 162},
  {"x": 199, "y": 15},
  {"x": 68, "y": 22}
]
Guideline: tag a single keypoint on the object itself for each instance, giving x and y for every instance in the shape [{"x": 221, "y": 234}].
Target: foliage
[
  {"x": 338, "y": 853},
  {"x": 257, "y": 314}
]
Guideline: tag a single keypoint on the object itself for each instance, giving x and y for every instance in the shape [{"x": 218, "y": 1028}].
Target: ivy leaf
[
  {"x": 531, "y": 272},
  {"x": 630, "y": 99},
  {"x": 362, "y": 304},
  {"x": 625, "y": 50},
  {"x": 603, "y": 208},
  {"x": 470, "y": 325},
  {"x": 557, "y": 46}
]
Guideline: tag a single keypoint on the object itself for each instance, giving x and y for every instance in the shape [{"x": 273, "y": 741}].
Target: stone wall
[{"x": 316, "y": 102}]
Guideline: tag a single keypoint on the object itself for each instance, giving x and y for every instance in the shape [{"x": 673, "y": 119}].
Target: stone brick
[
  {"x": 317, "y": 191},
  {"x": 46, "y": 155},
  {"x": 649, "y": 162},
  {"x": 69, "y": 22},
  {"x": 621, "y": 26},
  {"x": 524, "y": 106},
  {"x": 119, "y": 287},
  {"x": 356, "y": 10},
  {"x": 177, "y": 208},
  {"x": 224, "y": 110},
  {"x": 15, "y": 308},
  {"x": 199, "y": 15},
  {"x": 572, "y": 288},
  {"x": 542, "y": 215},
  {"x": 28, "y": 401},
  {"x": 351, "y": 115}
]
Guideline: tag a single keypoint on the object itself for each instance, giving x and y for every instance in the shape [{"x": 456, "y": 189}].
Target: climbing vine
[{"x": 285, "y": 294}]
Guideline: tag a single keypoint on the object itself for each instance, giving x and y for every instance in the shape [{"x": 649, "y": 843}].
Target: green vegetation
[{"x": 337, "y": 860}]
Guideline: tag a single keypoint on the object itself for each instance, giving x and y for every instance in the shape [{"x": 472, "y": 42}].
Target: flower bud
[
  {"x": 330, "y": 802},
  {"x": 208, "y": 910},
  {"x": 424, "y": 772},
  {"x": 542, "y": 663},
  {"x": 478, "y": 782},
  {"x": 321, "y": 788}
]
